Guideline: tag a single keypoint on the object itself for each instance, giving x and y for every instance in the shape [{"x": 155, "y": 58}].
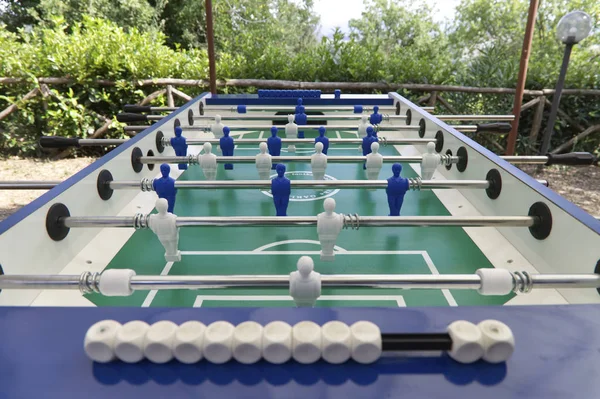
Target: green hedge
[{"x": 96, "y": 48}]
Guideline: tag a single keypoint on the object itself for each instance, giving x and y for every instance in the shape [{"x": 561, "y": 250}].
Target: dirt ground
[
  {"x": 580, "y": 185},
  {"x": 28, "y": 169}
]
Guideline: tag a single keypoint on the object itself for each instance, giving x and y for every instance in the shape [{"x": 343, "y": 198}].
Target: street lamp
[{"x": 571, "y": 29}]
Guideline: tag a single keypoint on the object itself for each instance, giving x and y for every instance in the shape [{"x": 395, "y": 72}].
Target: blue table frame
[{"x": 557, "y": 356}]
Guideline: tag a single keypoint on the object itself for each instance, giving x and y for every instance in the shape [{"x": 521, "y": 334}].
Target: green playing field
[{"x": 275, "y": 250}]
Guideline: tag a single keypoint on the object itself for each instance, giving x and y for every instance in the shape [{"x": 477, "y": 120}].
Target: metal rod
[
  {"x": 89, "y": 282},
  {"x": 404, "y": 281},
  {"x": 291, "y": 158},
  {"x": 556, "y": 99},
  {"x": 386, "y": 117},
  {"x": 285, "y": 117},
  {"x": 415, "y": 184},
  {"x": 205, "y": 128},
  {"x": 292, "y": 108},
  {"x": 28, "y": 185},
  {"x": 533, "y": 160},
  {"x": 350, "y": 221},
  {"x": 147, "y": 184},
  {"x": 100, "y": 142},
  {"x": 382, "y": 141}
]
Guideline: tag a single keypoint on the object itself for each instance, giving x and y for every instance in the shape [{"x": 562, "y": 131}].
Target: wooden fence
[{"x": 433, "y": 97}]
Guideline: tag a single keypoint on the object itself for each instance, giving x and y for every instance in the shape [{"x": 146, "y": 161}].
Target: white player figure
[
  {"x": 430, "y": 161},
  {"x": 164, "y": 225},
  {"x": 208, "y": 162},
  {"x": 305, "y": 284},
  {"x": 374, "y": 162},
  {"x": 329, "y": 226},
  {"x": 291, "y": 132},
  {"x": 318, "y": 162},
  {"x": 217, "y": 127},
  {"x": 363, "y": 125},
  {"x": 263, "y": 162}
]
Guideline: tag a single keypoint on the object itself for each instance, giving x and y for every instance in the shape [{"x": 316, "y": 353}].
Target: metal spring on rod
[
  {"x": 147, "y": 184},
  {"x": 523, "y": 283},
  {"x": 89, "y": 282},
  {"x": 415, "y": 184},
  {"x": 446, "y": 160},
  {"x": 351, "y": 221},
  {"x": 192, "y": 159},
  {"x": 383, "y": 140},
  {"x": 385, "y": 117},
  {"x": 166, "y": 142},
  {"x": 140, "y": 221}
]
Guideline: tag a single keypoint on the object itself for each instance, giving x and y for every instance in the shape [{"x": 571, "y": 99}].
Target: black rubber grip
[
  {"x": 58, "y": 142},
  {"x": 137, "y": 109},
  {"x": 497, "y": 127},
  {"x": 572, "y": 158},
  {"x": 129, "y": 117},
  {"x": 416, "y": 342}
]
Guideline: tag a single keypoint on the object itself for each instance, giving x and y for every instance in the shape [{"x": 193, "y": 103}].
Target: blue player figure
[
  {"x": 366, "y": 143},
  {"x": 274, "y": 144},
  {"x": 281, "y": 189},
  {"x": 165, "y": 186},
  {"x": 396, "y": 188},
  {"x": 375, "y": 118},
  {"x": 322, "y": 139},
  {"x": 227, "y": 144},
  {"x": 298, "y": 105},
  {"x": 180, "y": 146},
  {"x": 300, "y": 119}
]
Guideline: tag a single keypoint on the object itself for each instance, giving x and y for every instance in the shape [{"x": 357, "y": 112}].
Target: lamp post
[{"x": 571, "y": 29}]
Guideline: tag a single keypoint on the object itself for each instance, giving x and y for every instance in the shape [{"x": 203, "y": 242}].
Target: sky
[{"x": 338, "y": 12}]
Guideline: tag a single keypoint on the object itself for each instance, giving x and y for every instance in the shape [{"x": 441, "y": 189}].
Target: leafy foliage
[{"x": 392, "y": 41}]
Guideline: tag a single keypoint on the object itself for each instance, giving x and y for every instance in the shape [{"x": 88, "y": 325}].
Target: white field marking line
[
  {"x": 339, "y": 251},
  {"x": 272, "y": 298},
  {"x": 337, "y": 133},
  {"x": 277, "y": 243},
  {"x": 152, "y": 293},
  {"x": 260, "y": 136},
  {"x": 434, "y": 270}
]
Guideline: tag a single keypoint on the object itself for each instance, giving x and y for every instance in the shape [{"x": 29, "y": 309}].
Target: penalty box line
[{"x": 447, "y": 294}]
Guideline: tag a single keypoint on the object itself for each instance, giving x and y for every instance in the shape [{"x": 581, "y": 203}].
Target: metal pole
[
  {"x": 382, "y": 141},
  {"x": 350, "y": 221},
  {"x": 146, "y": 184},
  {"x": 352, "y": 117},
  {"x": 88, "y": 282},
  {"x": 514, "y": 132},
  {"x": 28, "y": 185},
  {"x": 414, "y": 184},
  {"x": 210, "y": 40},
  {"x": 190, "y": 159},
  {"x": 556, "y": 99}
]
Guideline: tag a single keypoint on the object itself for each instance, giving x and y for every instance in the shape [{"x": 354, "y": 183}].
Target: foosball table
[{"x": 294, "y": 244}]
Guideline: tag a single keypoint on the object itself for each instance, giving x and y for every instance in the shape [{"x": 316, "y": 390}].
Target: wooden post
[
  {"x": 152, "y": 96},
  {"x": 565, "y": 146},
  {"x": 566, "y": 117},
  {"x": 181, "y": 94},
  {"x": 530, "y": 104},
  {"x": 512, "y": 136},
  {"x": 170, "y": 101},
  {"x": 432, "y": 99},
  {"x": 210, "y": 40},
  {"x": 447, "y": 105},
  {"x": 422, "y": 99},
  {"x": 537, "y": 119},
  {"x": 13, "y": 107}
]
